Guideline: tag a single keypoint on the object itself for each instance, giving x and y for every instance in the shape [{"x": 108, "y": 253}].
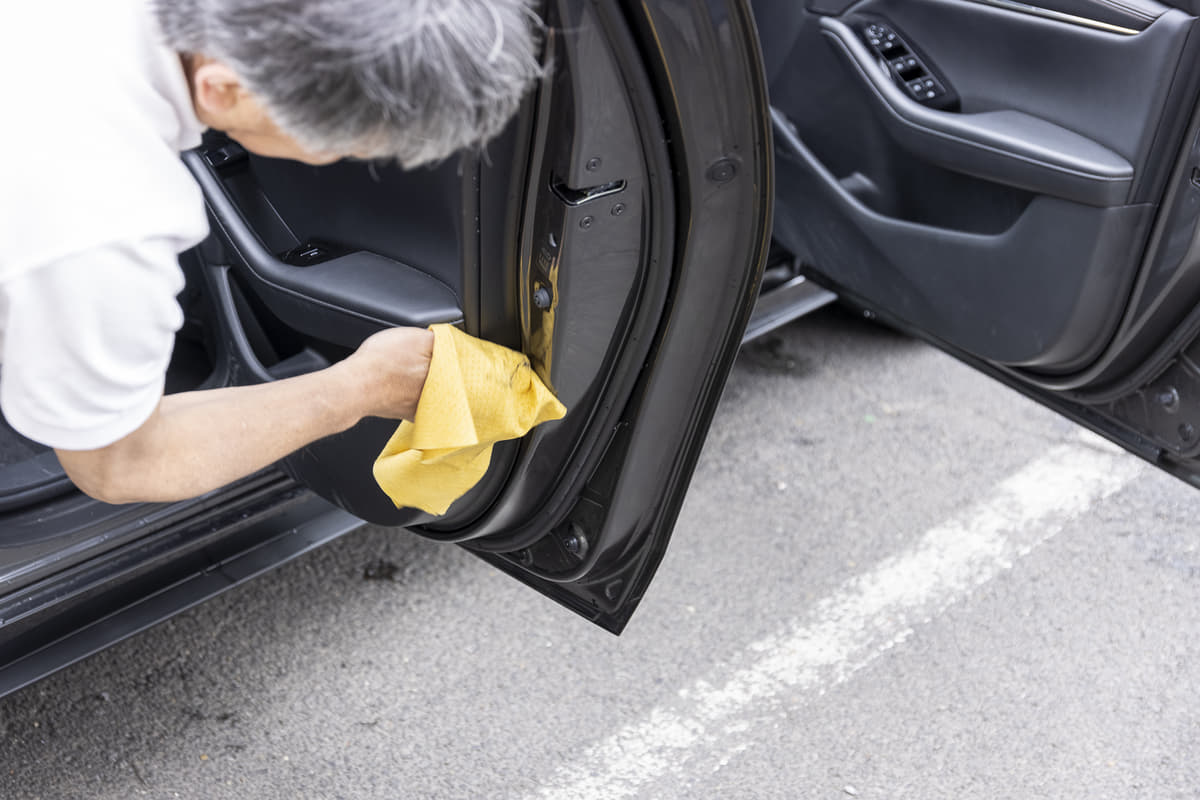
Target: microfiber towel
[{"x": 477, "y": 393}]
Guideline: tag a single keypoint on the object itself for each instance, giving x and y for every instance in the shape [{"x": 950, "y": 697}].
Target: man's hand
[
  {"x": 390, "y": 368},
  {"x": 198, "y": 441}
]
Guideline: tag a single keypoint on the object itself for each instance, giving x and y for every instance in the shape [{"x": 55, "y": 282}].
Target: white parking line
[{"x": 852, "y": 627}]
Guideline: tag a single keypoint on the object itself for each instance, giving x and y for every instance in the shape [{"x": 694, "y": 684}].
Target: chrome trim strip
[{"x": 1057, "y": 16}]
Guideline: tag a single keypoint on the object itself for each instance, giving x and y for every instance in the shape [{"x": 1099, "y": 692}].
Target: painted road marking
[{"x": 846, "y": 631}]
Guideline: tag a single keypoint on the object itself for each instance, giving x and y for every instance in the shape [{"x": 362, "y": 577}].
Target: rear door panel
[{"x": 1040, "y": 225}]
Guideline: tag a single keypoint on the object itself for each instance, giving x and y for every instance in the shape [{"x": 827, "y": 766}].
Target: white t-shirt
[{"x": 95, "y": 205}]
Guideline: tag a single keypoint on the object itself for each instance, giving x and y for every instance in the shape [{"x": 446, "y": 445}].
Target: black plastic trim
[
  {"x": 338, "y": 299},
  {"x": 128, "y": 590},
  {"x": 34, "y": 480}
]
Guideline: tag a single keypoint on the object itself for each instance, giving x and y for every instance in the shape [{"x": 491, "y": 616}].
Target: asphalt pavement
[{"x": 892, "y": 578}]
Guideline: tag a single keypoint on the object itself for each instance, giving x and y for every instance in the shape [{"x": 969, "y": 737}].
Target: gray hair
[{"x": 413, "y": 80}]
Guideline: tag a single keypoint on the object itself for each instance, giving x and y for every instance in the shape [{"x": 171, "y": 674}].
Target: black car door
[
  {"x": 1018, "y": 182},
  {"x": 615, "y": 233}
]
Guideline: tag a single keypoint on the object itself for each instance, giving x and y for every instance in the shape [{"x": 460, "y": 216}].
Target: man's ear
[{"x": 216, "y": 87}]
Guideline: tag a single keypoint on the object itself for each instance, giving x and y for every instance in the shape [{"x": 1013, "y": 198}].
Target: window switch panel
[{"x": 908, "y": 66}]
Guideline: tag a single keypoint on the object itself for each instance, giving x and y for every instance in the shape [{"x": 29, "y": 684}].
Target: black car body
[{"x": 1015, "y": 182}]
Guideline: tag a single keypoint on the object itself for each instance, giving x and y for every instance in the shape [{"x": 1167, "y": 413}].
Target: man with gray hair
[{"x": 95, "y": 206}]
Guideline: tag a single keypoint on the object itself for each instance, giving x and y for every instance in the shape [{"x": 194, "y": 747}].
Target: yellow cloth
[{"x": 477, "y": 393}]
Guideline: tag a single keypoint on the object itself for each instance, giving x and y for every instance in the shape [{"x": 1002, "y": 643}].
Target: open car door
[
  {"x": 1017, "y": 182},
  {"x": 615, "y": 233}
]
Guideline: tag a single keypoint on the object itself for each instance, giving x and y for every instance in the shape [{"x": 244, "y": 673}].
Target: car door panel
[
  {"x": 1011, "y": 224},
  {"x": 1042, "y": 226},
  {"x": 629, "y": 198}
]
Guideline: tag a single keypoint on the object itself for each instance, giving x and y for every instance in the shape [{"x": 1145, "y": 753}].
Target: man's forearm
[{"x": 198, "y": 441}]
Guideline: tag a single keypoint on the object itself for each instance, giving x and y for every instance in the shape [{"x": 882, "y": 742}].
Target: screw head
[
  {"x": 592, "y": 164},
  {"x": 542, "y": 298},
  {"x": 1169, "y": 399},
  {"x": 618, "y": 209},
  {"x": 573, "y": 540},
  {"x": 586, "y": 222},
  {"x": 722, "y": 170}
]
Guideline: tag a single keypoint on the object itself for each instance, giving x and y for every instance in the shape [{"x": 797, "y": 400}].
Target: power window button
[
  {"x": 925, "y": 89},
  {"x": 882, "y": 38},
  {"x": 905, "y": 65}
]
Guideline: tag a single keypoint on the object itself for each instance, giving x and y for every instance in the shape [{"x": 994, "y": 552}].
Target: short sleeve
[{"x": 87, "y": 343}]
